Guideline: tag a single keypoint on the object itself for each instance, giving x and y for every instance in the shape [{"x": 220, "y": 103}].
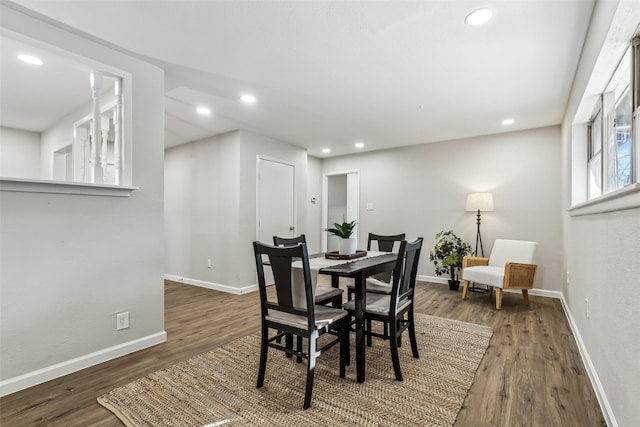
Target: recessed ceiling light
[
  {"x": 478, "y": 17},
  {"x": 29, "y": 59},
  {"x": 205, "y": 111},
  {"x": 359, "y": 144},
  {"x": 249, "y": 99},
  {"x": 507, "y": 122},
  {"x": 326, "y": 150}
]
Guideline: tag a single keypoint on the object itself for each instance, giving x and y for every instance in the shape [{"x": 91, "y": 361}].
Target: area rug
[{"x": 218, "y": 388}]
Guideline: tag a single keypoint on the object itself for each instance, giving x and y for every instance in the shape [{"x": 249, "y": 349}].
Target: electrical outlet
[
  {"x": 122, "y": 321},
  {"x": 586, "y": 307},
  {"x": 209, "y": 263}
]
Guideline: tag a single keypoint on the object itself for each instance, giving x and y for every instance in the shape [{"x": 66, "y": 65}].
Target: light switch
[{"x": 369, "y": 206}]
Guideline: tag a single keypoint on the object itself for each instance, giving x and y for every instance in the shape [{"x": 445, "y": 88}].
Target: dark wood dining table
[{"x": 359, "y": 270}]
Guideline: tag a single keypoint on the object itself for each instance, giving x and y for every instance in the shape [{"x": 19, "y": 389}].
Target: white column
[
  {"x": 80, "y": 137},
  {"x": 96, "y": 147},
  {"x": 104, "y": 126},
  {"x": 117, "y": 127}
]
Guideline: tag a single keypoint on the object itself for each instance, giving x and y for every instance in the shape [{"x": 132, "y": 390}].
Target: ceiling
[{"x": 331, "y": 73}]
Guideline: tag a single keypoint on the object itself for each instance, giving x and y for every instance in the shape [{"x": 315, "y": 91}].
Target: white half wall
[
  {"x": 422, "y": 189},
  {"x": 71, "y": 262}
]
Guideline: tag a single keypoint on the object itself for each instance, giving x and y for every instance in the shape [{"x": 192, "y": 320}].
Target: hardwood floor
[{"x": 531, "y": 375}]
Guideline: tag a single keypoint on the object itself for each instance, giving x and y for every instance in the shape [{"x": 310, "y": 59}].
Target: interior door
[{"x": 276, "y": 201}]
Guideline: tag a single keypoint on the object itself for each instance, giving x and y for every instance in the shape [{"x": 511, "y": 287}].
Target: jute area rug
[{"x": 219, "y": 387}]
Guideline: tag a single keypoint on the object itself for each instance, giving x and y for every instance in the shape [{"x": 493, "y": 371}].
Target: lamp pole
[{"x": 479, "y": 237}]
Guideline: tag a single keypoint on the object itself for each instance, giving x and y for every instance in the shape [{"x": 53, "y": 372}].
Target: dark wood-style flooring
[{"x": 531, "y": 375}]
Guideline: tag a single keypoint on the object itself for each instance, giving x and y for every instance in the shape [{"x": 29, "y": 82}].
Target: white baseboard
[
  {"x": 40, "y": 376},
  {"x": 609, "y": 417},
  {"x": 211, "y": 285},
  {"x": 536, "y": 292}
]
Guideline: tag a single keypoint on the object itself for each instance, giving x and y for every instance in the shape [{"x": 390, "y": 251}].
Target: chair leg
[
  {"x": 368, "y": 329},
  {"x": 525, "y": 294},
  {"x": 263, "y": 357},
  {"x": 498, "y": 298},
  {"x": 288, "y": 340},
  {"x": 337, "y": 302},
  {"x": 393, "y": 344},
  {"x": 490, "y": 291},
  {"x": 299, "y": 349},
  {"x": 465, "y": 289},
  {"x": 398, "y": 325},
  {"x": 412, "y": 335},
  {"x": 311, "y": 365},
  {"x": 344, "y": 348}
]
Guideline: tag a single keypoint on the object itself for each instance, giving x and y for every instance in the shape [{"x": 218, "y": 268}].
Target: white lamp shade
[{"x": 480, "y": 202}]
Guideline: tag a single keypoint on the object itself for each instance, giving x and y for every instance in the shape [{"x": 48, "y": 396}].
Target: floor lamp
[{"x": 479, "y": 202}]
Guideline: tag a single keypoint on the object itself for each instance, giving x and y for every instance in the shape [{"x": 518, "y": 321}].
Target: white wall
[
  {"x": 19, "y": 153},
  {"x": 422, "y": 189},
  {"x": 313, "y": 229},
  {"x": 71, "y": 262},
  {"x": 202, "y": 194},
  {"x": 602, "y": 248},
  {"x": 211, "y": 207}
]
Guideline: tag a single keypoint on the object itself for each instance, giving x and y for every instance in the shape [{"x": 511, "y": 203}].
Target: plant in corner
[
  {"x": 344, "y": 230},
  {"x": 447, "y": 256}
]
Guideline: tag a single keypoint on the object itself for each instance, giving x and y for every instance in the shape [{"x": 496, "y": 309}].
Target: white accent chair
[{"x": 510, "y": 266}]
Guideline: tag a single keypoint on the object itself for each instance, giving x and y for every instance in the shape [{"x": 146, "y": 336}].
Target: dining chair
[
  {"x": 510, "y": 266},
  {"x": 380, "y": 283},
  {"x": 324, "y": 294},
  {"x": 292, "y": 311},
  {"x": 395, "y": 310}
]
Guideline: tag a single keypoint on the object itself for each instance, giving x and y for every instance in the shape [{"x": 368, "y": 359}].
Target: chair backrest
[
  {"x": 289, "y": 241},
  {"x": 405, "y": 271},
  {"x": 280, "y": 260},
  {"x": 512, "y": 251},
  {"x": 385, "y": 243}
]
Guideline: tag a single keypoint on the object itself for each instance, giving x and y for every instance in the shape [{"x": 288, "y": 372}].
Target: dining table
[{"x": 359, "y": 269}]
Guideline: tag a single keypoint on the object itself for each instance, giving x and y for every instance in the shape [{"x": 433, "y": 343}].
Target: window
[
  {"x": 610, "y": 132},
  {"x": 595, "y": 156},
  {"x": 63, "y": 117}
]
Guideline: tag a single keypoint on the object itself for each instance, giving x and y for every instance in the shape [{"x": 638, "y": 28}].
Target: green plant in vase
[
  {"x": 447, "y": 255},
  {"x": 345, "y": 230}
]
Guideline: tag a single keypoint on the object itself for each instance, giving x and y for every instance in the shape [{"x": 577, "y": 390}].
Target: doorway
[{"x": 340, "y": 201}]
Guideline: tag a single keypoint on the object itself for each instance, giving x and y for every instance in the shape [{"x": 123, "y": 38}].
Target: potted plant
[
  {"x": 344, "y": 230},
  {"x": 447, "y": 256}
]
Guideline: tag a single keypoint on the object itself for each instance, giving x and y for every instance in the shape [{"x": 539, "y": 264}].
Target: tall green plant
[{"x": 447, "y": 254}]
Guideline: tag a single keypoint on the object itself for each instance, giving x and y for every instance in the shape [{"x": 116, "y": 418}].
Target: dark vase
[{"x": 454, "y": 285}]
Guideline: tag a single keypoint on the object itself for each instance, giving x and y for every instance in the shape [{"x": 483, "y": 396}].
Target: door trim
[{"x": 354, "y": 199}]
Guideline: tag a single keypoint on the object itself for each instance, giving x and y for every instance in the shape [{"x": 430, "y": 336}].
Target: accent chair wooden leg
[
  {"x": 465, "y": 289},
  {"x": 525, "y": 294},
  {"x": 498, "y": 298}
]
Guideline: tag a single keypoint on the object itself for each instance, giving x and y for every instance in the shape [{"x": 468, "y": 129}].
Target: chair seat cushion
[
  {"x": 377, "y": 304},
  {"x": 324, "y": 316},
  {"x": 375, "y": 286},
  {"x": 326, "y": 293},
  {"x": 485, "y": 274}
]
